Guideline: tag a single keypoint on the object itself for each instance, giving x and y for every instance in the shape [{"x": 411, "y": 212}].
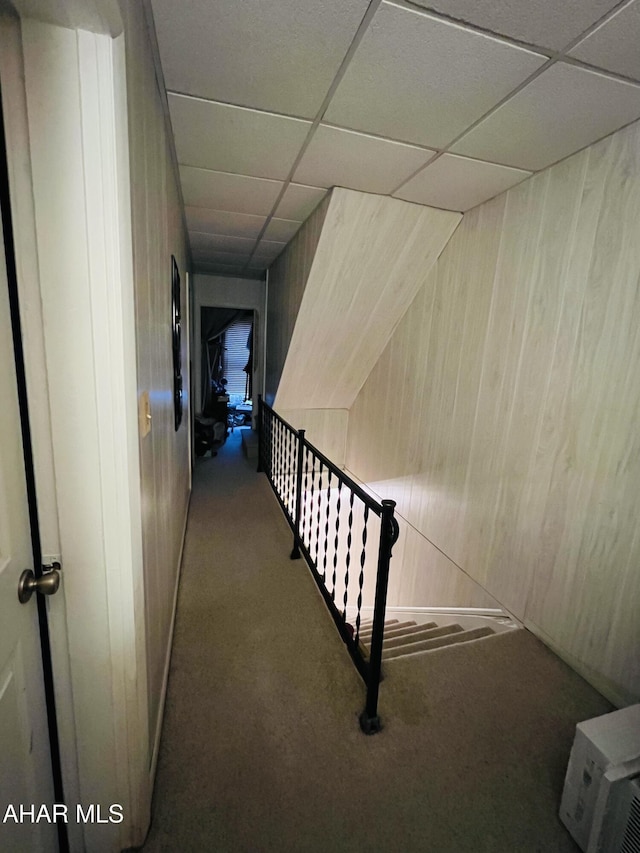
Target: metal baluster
[
  {"x": 312, "y": 496},
  {"x": 274, "y": 452},
  {"x": 269, "y": 439},
  {"x": 348, "y": 560},
  {"x": 326, "y": 534},
  {"x": 292, "y": 472},
  {"x": 336, "y": 542},
  {"x": 295, "y": 554},
  {"x": 363, "y": 557},
  {"x": 318, "y": 516},
  {"x": 305, "y": 492},
  {"x": 272, "y": 440},
  {"x": 287, "y": 481},
  {"x": 260, "y": 425},
  {"x": 279, "y": 471},
  {"x": 293, "y": 453}
]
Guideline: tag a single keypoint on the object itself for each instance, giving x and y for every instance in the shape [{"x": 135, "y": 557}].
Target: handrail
[{"x": 295, "y": 470}]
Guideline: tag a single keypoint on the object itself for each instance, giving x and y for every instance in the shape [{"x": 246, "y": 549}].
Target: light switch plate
[{"x": 144, "y": 414}]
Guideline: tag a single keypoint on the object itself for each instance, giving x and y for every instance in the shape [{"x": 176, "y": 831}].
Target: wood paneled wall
[
  {"x": 164, "y": 454},
  {"x": 503, "y": 414},
  {"x": 326, "y": 429},
  {"x": 373, "y": 255},
  {"x": 286, "y": 284}
]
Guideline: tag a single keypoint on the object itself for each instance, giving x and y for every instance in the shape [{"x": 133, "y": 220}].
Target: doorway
[{"x": 227, "y": 342}]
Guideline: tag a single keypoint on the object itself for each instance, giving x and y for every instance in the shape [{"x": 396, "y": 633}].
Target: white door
[{"x": 25, "y": 764}]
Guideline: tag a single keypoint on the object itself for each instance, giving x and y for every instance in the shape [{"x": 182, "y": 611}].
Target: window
[{"x": 236, "y": 356}]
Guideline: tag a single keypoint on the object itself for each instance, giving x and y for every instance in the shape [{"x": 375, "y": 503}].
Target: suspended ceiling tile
[
  {"x": 457, "y": 183},
  {"x": 343, "y": 158},
  {"x": 223, "y": 222},
  {"x": 276, "y": 56},
  {"x": 558, "y": 113},
  {"x": 281, "y": 230},
  {"x": 233, "y": 139},
  {"x": 257, "y": 264},
  {"x": 420, "y": 79},
  {"x": 268, "y": 249},
  {"x": 546, "y": 23},
  {"x": 223, "y": 269},
  {"x": 615, "y": 45},
  {"x": 214, "y": 257},
  {"x": 234, "y": 193},
  {"x": 201, "y": 243},
  {"x": 299, "y": 201}
]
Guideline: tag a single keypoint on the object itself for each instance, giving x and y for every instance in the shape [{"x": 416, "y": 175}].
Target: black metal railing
[{"x": 341, "y": 531}]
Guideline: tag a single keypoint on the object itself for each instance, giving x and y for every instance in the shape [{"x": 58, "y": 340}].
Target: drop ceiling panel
[
  {"x": 223, "y": 269},
  {"x": 532, "y": 130},
  {"x": 281, "y": 230},
  {"x": 457, "y": 183},
  {"x": 268, "y": 250},
  {"x": 201, "y": 243},
  {"x": 615, "y": 45},
  {"x": 222, "y": 191},
  {"x": 423, "y": 80},
  {"x": 546, "y": 23},
  {"x": 298, "y": 202},
  {"x": 233, "y": 139},
  {"x": 227, "y": 258},
  {"x": 279, "y": 56},
  {"x": 346, "y": 159},
  {"x": 223, "y": 222}
]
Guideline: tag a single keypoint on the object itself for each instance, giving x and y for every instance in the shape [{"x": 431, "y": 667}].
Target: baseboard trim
[
  {"x": 490, "y": 612},
  {"x": 167, "y": 665}
]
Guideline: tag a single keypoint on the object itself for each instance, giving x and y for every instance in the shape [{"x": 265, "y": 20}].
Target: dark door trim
[{"x": 36, "y": 547}]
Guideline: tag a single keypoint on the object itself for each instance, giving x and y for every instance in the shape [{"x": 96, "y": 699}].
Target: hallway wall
[
  {"x": 286, "y": 283},
  {"x": 158, "y": 232},
  {"x": 503, "y": 415}
]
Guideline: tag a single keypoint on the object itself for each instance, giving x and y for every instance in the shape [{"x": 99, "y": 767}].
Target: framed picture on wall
[{"x": 176, "y": 342}]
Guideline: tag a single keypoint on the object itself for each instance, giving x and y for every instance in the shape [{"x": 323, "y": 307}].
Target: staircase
[{"x": 408, "y": 638}]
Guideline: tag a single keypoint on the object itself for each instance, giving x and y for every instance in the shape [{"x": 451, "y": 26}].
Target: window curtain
[{"x": 248, "y": 368}]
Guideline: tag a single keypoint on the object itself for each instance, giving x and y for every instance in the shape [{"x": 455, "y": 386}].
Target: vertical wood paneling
[
  {"x": 326, "y": 429},
  {"x": 157, "y": 234},
  {"x": 373, "y": 255},
  {"x": 287, "y": 281},
  {"x": 513, "y": 392}
]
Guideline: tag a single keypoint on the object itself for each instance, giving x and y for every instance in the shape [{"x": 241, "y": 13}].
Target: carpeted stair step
[
  {"x": 366, "y": 627},
  {"x": 420, "y": 632},
  {"x": 426, "y": 632},
  {"x": 400, "y": 633},
  {"x": 457, "y": 636},
  {"x": 368, "y": 623},
  {"x": 389, "y": 630}
]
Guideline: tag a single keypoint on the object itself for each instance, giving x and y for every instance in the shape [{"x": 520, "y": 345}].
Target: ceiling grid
[{"x": 444, "y": 103}]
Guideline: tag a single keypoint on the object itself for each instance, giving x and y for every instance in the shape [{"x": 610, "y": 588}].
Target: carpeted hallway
[{"x": 261, "y": 748}]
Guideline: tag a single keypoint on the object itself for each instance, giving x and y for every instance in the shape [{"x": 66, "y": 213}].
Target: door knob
[{"x": 46, "y": 584}]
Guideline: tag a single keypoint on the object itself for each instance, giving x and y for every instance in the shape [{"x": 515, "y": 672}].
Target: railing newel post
[
  {"x": 369, "y": 719},
  {"x": 295, "y": 554}
]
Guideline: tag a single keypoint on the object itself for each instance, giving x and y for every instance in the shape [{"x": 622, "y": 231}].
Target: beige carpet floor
[{"x": 261, "y": 748}]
